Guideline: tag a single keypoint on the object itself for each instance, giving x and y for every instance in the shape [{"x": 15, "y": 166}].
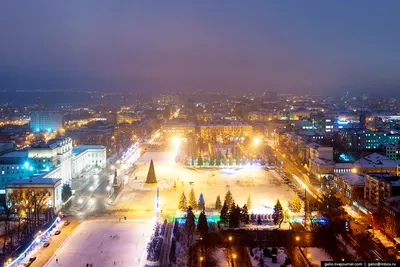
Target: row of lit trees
[
  {"x": 192, "y": 202},
  {"x": 24, "y": 212}
]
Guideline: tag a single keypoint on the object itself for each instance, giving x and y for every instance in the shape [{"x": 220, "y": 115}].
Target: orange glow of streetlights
[
  {"x": 234, "y": 256},
  {"x": 256, "y": 141},
  {"x": 230, "y": 238},
  {"x": 297, "y": 238}
]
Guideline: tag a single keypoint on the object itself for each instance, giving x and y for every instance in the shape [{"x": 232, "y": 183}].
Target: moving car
[
  {"x": 57, "y": 232},
  {"x": 46, "y": 244},
  {"x": 66, "y": 223}
]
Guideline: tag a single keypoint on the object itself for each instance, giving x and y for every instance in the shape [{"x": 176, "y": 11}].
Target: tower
[{"x": 151, "y": 175}]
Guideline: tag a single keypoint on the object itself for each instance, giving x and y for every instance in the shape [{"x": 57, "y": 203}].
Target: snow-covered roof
[
  {"x": 353, "y": 178},
  {"x": 35, "y": 181},
  {"x": 321, "y": 161}
]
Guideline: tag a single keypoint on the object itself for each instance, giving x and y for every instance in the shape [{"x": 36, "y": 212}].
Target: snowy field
[
  {"x": 258, "y": 257},
  {"x": 316, "y": 255},
  {"x": 264, "y": 187},
  {"x": 102, "y": 243}
]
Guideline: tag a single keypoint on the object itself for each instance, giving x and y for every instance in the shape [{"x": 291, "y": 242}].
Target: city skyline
[{"x": 181, "y": 46}]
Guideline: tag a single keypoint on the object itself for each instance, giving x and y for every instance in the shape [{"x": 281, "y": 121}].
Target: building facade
[
  {"x": 217, "y": 133},
  {"x": 391, "y": 216},
  {"x": 350, "y": 186},
  {"x": 46, "y": 121},
  {"x": 27, "y": 188},
  {"x": 179, "y": 130},
  {"x": 86, "y": 157},
  {"x": 392, "y": 151},
  {"x": 380, "y": 186}
]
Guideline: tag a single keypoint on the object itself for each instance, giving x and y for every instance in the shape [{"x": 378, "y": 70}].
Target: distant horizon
[{"x": 232, "y": 46}]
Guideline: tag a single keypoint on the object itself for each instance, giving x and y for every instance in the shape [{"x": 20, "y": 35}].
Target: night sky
[{"x": 285, "y": 46}]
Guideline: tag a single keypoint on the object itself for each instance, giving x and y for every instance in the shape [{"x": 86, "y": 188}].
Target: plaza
[
  {"x": 264, "y": 187},
  {"x": 105, "y": 243}
]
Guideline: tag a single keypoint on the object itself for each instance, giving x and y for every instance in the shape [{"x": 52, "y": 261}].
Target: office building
[
  {"x": 86, "y": 157},
  {"x": 45, "y": 121},
  {"x": 221, "y": 133}
]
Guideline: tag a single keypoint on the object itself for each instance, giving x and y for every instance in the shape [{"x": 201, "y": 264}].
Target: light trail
[
  {"x": 58, "y": 219},
  {"x": 305, "y": 186}
]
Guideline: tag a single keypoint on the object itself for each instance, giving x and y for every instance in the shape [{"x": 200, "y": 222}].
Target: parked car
[
  {"x": 46, "y": 244},
  {"x": 66, "y": 223},
  {"x": 57, "y": 232},
  {"x": 27, "y": 264}
]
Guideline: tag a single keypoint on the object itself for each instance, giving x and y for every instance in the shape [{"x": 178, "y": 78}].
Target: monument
[{"x": 151, "y": 175}]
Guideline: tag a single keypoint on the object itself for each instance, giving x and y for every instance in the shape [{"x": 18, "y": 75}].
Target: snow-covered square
[
  {"x": 264, "y": 187},
  {"x": 105, "y": 243}
]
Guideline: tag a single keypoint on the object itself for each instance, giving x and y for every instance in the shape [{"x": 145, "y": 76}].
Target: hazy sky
[{"x": 294, "y": 46}]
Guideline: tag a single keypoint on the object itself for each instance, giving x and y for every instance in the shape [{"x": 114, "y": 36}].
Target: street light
[
  {"x": 230, "y": 238},
  {"x": 256, "y": 141},
  {"x": 234, "y": 256},
  {"x": 297, "y": 238}
]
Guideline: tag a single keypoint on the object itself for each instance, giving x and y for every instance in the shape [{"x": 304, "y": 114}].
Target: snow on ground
[
  {"x": 349, "y": 249},
  {"x": 94, "y": 242},
  {"x": 263, "y": 186},
  {"x": 316, "y": 255},
  {"x": 258, "y": 253},
  {"x": 384, "y": 240},
  {"x": 220, "y": 256},
  {"x": 267, "y": 225},
  {"x": 352, "y": 212}
]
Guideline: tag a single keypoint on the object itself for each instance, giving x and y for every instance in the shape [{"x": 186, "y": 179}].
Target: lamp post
[{"x": 234, "y": 256}]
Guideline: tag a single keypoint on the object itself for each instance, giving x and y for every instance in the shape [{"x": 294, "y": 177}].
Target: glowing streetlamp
[{"x": 256, "y": 141}]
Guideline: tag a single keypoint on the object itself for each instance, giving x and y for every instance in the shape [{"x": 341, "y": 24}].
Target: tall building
[
  {"x": 365, "y": 139},
  {"x": 45, "y": 121}
]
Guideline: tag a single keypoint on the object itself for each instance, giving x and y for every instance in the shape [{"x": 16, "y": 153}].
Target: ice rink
[{"x": 102, "y": 243}]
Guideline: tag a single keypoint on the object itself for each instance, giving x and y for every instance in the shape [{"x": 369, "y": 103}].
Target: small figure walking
[{"x": 56, "y": 260}]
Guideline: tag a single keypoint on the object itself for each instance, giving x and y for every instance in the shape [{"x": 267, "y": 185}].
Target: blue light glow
[{"x": 58, "y": 219}]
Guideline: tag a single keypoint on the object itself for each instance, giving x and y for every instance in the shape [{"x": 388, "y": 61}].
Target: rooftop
[
  {"x": 79, "y": 149},
  {"x": 16, "y": 154},
  {"x": 353, "y": 178},
  {"x": 394, "y": 180},
  {"x": 36, "y": 181},
  {"x": 321, "y": 161},
  {"x": 4, "y": 143}
]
